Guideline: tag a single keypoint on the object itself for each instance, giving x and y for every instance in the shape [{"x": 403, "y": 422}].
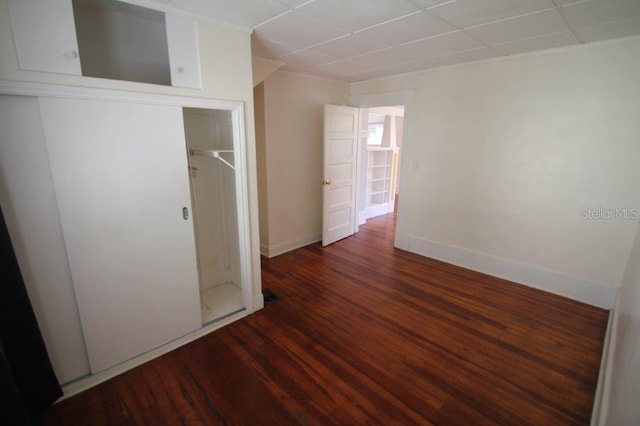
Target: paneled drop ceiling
[{"x": 353, "y": 40}]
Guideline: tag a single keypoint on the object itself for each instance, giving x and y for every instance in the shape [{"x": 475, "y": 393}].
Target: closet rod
[{"x": 215, "y": 153}]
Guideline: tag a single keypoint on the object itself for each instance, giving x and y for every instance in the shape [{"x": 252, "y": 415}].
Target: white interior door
[
  {"x": 339, "y": 184},
  {"x": 121, "y": 180}
]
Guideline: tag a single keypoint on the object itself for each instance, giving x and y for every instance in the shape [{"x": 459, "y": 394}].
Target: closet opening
[{"x": 214, "y": 180}]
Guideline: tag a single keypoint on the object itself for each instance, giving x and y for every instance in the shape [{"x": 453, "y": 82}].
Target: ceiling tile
[
  {"x": 347, "y": 46},
  {"x": 290, "y": 68},
  {"x": 297, "y": 30},
  {"x": 596, "y": 12},
  {"x": 343, "y": 68},
  {"x": 294, "y": 3},
  {"x": 468, "y": 13},
  {"x": 439, "y": 45},
  {"x": 468, "y": 56},
  {"x": 413, "y": 27},
  {"x": 352, "y": 15},
  {"x": 538, "y": 43},
  {"x": 269, "y": 49},
  {"x": 245, "y": 13},
  {"x": 367, "y": 75},
  {"x": 425, "y": 4},
  {"x": 624, "y": 28},
  {"x": 377, "y": 59},
  {"x": 418, "y": 65},
  {"x": 305, "y": 59},
  {"x": 520, "y": 28},
  {"x": 435, "y": 46}
]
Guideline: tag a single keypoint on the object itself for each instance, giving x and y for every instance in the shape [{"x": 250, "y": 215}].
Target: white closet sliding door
[{"x": 121, "y": 179}]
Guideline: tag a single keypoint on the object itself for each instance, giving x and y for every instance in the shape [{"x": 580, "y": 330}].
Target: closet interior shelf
[{"x": 215, "y": 153}]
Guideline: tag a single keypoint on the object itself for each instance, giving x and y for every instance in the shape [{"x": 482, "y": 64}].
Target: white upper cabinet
[
  {"x": 184, "y": 55},
  {"x": 106, "y": 39},
  {"x": 45, "y": 35}
]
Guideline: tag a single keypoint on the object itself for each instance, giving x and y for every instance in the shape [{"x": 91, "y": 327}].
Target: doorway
[
  {"x": 212, "y": 173},
  {"x": 360, "y": 166},
  {"x": 402, "y": 99},
  {"x": 381, "y": 134}
]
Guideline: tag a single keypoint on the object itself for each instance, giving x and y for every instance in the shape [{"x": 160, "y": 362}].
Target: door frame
[{"x": 404, "y": 98}]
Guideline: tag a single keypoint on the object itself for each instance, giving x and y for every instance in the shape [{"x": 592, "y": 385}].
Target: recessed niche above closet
[
  {"x": 121, "y": 41},
  {"x": 106, "y": 39}
]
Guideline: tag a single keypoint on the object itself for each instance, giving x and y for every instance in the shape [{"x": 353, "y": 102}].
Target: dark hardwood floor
[{"x": 365, "y": 333}]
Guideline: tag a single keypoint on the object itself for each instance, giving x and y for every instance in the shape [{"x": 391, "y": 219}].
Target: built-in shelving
[{"x": 381, "y": 163}]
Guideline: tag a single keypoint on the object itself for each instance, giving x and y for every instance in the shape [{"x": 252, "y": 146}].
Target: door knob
[{"x": 326, "y": 182}]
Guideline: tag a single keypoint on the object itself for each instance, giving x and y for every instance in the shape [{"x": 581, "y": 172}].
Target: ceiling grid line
[
  {"x": 463, "y": 30},
  {"x": 566, "y": 21}
]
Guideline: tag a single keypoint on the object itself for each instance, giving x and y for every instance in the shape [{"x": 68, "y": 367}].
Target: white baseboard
[
  {"x": 362, "y": 217},
  {"x": 593, "y": 293},
  {"x": 92, "y": 380},
  {"x": 258, "y": 302},
  {"x": 292, "y": 245},
  {"x": 378, "y": 210}
]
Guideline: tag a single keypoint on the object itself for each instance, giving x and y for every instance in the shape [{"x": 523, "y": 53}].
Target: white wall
[
  {"x": 293, "y": 111},
  {"x": 261, "y": 156},
  {"x": 501, "y": 156},
  {"x": 624, "y": 392},
  {"x": 230, "y": 78}
]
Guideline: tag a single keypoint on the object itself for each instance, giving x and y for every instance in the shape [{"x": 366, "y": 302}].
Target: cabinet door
[
  {"x": 184, "y": 55},
  {"x": 45, "y": 35},
  {"x": 121, "y": 180}
]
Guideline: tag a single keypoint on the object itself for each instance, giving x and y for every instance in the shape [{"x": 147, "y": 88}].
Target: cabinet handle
[
  {"x": 185, "y": 213},
  {"x": 72, "y": 54},
  {"x": 326, "y": 182}
]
